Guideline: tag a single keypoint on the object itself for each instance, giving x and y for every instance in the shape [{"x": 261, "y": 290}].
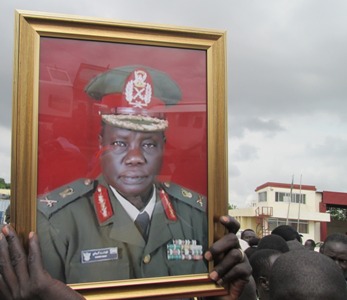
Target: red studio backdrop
[{"x": 69, "y": 122}]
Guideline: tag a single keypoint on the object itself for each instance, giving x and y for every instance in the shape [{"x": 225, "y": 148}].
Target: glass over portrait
[{"x": 122, "y": 137}]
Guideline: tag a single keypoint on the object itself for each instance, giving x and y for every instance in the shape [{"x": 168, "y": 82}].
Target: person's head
[
  {"x": 273, "y": 241},
  {"x": 295, "y": 245},
  {"x": 287, "y": 232},
  {"x": 261, "y": 262},
  {"x": 335, "y": 247},
  {"x": 248, "y": 234},
  {"x": 306, "y": 275},
  {"x": 250, "y": 251},
  {"x": 310, "y": 244},
  {"x": 132, "y": 106}
]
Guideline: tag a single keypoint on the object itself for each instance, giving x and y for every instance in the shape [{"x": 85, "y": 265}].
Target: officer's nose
[{"x": 134, "y": 156}]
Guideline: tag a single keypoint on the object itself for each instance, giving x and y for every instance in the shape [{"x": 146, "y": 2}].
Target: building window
[
  {"x": 262, "y": 197},
  {"x": 303, "y": 225},
  {"x": 295, "y": 198}
]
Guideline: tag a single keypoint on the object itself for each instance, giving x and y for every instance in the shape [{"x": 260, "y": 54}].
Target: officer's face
[{"x": 131, "y": 160}]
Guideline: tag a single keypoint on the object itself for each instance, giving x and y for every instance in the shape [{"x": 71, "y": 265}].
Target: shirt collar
[{"x": 131, "y": 210}]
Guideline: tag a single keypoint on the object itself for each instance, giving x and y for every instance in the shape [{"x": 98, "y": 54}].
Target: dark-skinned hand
[
  {"x": 232, "y": 269},
  {"x": 22, "y": 275}
]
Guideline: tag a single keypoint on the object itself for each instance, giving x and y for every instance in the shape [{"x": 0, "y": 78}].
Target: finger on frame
[{"x": 17, "y": 256}]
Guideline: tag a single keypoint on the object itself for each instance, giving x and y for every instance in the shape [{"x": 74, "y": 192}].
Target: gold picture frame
[{"x": 33, "y": 27}]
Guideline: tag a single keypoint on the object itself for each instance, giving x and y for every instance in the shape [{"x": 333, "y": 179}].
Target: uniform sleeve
[{"x": 52, "y": 248}]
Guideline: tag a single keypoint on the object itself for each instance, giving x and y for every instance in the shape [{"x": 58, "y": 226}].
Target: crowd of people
[{"x": 283, "y": 267}]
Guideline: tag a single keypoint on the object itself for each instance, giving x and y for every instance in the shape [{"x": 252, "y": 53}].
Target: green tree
[
  {"x": 3, "y": 184},
  {"x": 231, "y": 206},
  {"x": 338, "y": 213}
]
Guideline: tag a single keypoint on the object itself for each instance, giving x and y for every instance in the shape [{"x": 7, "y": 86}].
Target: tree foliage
[
  {"x": 231, "y": 206},
  {"x": 3, "y": 184},
  {"x": 338, "y": 213}
]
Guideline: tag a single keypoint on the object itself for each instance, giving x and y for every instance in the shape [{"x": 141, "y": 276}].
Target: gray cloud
[
  {"x": 245, "y": 152},
  {"x": 238, "y": 126},
  {"x": 331, "y": 148},
  {"x": 286, "y": 64}
]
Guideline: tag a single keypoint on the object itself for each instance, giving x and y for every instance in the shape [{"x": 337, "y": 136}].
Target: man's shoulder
[
  {"x": 185, "y": 195},
  {"x": 52, "y": 202}
]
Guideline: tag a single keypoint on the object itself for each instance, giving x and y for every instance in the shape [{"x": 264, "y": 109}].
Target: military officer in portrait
[{"x": 125, "y": 224}]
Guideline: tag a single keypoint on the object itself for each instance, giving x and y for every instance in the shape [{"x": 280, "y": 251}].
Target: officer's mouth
[{"x": 133, "y": 179}]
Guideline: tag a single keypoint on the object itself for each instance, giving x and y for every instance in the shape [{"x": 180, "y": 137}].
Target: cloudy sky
[{"x": 287, "y": 81}]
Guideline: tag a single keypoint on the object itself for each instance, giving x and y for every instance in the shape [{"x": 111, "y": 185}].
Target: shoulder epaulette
[
  {"x": 55, "y": 200},
  {"x": 185, "y": 195}
]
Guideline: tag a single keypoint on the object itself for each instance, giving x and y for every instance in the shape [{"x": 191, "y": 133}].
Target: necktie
[{"x": 142, "y": 222}]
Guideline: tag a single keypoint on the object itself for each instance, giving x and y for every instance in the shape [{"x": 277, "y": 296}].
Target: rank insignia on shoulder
[
  {"x": 49, "y": 203},
  {"x": 67, "y": 192},
  {"x": 57, "y": 199},
  {"x": 185, "y": 195},
  {"x": 184, "y": 250}
]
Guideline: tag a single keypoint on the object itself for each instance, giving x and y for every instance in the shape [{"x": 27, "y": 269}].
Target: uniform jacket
[{"x": 81, "y": 242}]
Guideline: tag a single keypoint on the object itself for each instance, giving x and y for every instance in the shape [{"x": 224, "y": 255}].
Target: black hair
[
  {"x": 287, "y": 232},
  {"x": 254, "y": 241},
  {"x": 336, "y": 237},
  {"x": 250, "y": 251},
  {"x": 311, "y": 242},
  {"x": 260, "y": 262},
  {"x": 306, "y": 275},
  {"x": 273, "y": 241}
]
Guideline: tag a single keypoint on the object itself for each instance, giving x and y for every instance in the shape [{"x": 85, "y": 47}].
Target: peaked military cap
[{"x": 143, "y": 95}]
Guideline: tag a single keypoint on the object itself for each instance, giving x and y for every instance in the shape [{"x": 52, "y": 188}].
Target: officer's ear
[
  {"x": 101, "y": 134},
  {"x": 264, "y": 282},
  {"x": 100, "y": 140}
]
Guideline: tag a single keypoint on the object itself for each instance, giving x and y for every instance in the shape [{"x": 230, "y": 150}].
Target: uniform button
[
  {"x": 87, "y": 182},
  {"x": 147, "y": 259}
]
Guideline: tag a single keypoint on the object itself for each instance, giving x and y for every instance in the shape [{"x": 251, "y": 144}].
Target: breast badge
[{"x": 184, "y": 250}]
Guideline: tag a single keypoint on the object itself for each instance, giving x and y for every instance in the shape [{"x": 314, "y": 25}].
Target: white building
[
  {"x": 278, "y": 204},
  {"x": 4, "y": 203}
]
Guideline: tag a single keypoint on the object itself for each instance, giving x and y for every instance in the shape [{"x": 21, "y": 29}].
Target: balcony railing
[{"x": 264, "y": 211}]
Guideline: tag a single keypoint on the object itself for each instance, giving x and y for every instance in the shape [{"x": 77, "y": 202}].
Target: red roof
[
  {"x": 286, "y": 186},
  {"x": 334, "y": 198}
]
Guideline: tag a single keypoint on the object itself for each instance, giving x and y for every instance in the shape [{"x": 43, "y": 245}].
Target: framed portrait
[{"x": 69, "y": 72}]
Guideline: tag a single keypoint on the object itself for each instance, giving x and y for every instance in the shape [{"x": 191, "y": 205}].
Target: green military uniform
[{"x": 80, "y": 246}]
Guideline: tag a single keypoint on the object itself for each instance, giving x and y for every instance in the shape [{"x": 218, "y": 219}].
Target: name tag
[{"x": 97, "y": 255}]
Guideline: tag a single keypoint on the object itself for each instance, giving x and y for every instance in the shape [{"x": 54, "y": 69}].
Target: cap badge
[{"x": 138, "y": 92}]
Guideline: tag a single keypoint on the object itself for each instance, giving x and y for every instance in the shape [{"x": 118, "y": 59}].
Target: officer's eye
[
  {"x": 149, "y": 145},
  {"x": 118, "y": 144}
]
